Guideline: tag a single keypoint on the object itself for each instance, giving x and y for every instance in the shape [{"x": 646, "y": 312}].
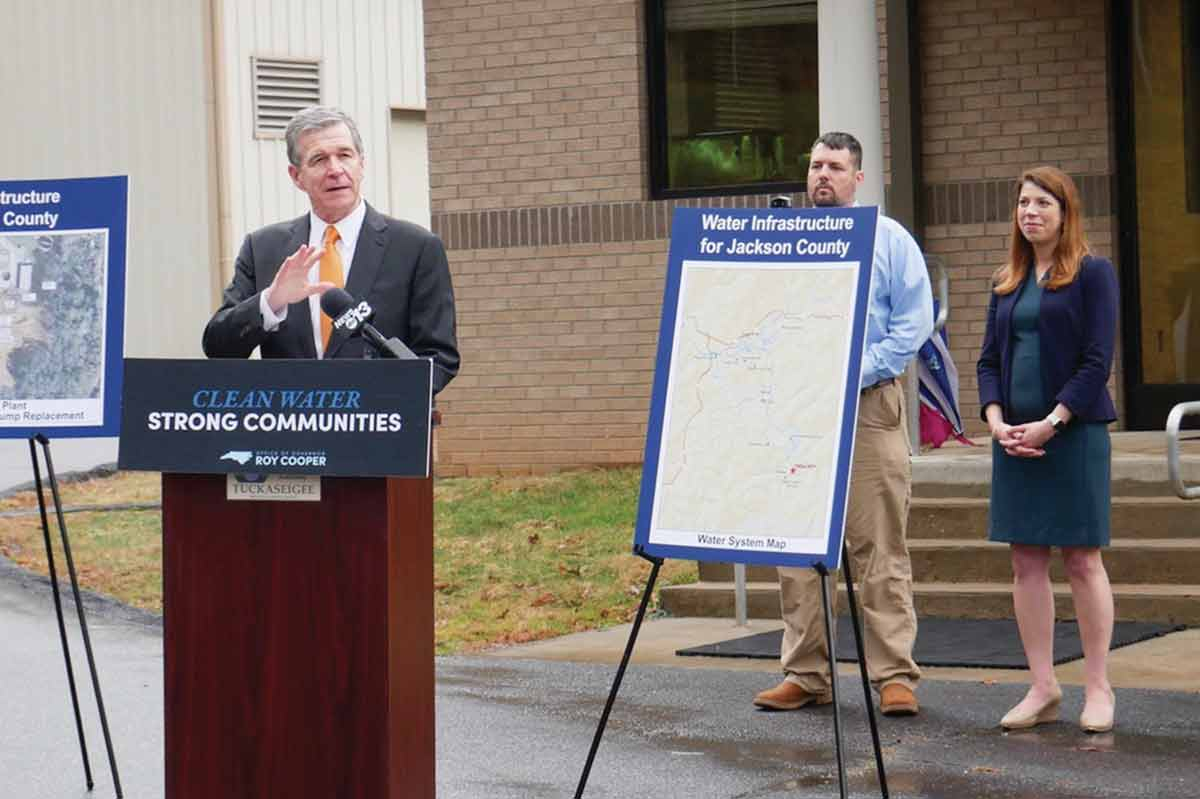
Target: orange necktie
[{"x": 331, "y": 272}]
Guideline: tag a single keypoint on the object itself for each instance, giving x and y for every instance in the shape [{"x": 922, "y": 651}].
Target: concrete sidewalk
[
  {"x": 1169, "y": 663},
  {"x": 1139, "y": 465}
]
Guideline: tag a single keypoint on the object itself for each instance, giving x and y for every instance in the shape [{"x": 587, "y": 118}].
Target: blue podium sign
[
  {"x": 751, "y": 430},
  {"x": 62, "y": 305},
  {"x": 338, "y": 418}
]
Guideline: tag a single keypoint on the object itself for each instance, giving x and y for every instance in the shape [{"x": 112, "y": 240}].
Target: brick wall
[
  {"x": 533, "y": 102},
  {"x": 558, "y": 312},
  {"x": 537, "y": 116},
  {"x": 561, "y": 353},
  {"x": 537, "y": 124},
  {"x": 535, "y": 137},
  {"x": 884, "y": 108},
  {"x": 1007, "y": 84}
]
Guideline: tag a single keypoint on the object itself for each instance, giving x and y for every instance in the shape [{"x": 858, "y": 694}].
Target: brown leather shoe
[
  {"x": 897, "y": 699},
  {"x": 789, "y": 696}
]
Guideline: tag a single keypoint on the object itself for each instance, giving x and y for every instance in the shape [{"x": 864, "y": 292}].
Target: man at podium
[{"x": 398, "y": 268}]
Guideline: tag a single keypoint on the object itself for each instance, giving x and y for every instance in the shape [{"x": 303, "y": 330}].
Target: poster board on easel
[
  {"x": 751, "y": 430},
  {"x": 62, "y": 305}
]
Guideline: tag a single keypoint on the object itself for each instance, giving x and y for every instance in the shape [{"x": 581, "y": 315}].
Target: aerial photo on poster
[{"x": 52, "y": 308}]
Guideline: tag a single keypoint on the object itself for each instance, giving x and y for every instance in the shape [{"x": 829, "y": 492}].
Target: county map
[{"x": 754, "y": 406}]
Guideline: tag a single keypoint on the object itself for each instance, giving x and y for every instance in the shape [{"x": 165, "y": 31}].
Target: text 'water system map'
[{"x": 752, "y": 424}]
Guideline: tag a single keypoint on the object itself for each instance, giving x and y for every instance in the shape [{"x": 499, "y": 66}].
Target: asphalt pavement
[
  {"x": 520, "y": 728},
  {"x": 517, "y": 723}
]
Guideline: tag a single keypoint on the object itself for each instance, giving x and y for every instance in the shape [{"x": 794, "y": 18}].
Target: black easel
[
  {"x": 830, "y": 636},
  {"x": 62, "y": 630},
  {"x": 612, "y": 694},
  {"x": 862, "y": 670}
]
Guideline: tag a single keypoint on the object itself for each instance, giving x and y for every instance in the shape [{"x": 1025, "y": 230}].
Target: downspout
[{"x": 222, "y": 266}]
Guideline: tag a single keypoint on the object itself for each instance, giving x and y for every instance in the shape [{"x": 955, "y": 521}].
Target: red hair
[{"x": 1072, "y": 244}]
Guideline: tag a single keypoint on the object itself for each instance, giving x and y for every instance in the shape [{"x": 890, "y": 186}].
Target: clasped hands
[{"x": 1023, "y": 440}]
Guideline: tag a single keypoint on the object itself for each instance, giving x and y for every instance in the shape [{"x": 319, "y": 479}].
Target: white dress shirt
[{"x": 348, "y": 229}]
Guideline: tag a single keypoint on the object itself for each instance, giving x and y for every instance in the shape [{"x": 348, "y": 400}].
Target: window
[
  {"x": 1165, "y": 204},
  {"x": 733, "y": 95}
]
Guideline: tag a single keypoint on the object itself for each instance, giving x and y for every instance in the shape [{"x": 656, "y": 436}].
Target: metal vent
[{"x": 281, "y": 87}]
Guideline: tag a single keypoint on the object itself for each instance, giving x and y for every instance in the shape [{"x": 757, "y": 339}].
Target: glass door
[{"x": 1160, "y": 222}]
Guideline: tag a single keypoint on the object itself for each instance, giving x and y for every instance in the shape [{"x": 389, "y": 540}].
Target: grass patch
[
  {"x": 117, "y": 553},
  {"x": 520, "y": 559},
  {"x": 516, "y": 559}
]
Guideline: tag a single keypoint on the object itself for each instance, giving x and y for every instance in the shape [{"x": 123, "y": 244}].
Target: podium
[
  {"x": 298, "y": 636},
  {"x": 298, "y": 647}
]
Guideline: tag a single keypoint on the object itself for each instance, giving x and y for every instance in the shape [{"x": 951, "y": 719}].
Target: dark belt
[{"x": 885, "y": 382}]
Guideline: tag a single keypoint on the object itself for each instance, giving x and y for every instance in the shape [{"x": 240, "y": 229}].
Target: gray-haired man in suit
[{"x": 273, "y": 301}]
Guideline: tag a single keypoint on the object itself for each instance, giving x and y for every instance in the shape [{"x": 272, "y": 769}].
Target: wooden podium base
[{"x": 299, "y": 641}]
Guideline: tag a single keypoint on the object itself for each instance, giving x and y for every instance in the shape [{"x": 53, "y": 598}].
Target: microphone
[{"x": 355, "y": 316}]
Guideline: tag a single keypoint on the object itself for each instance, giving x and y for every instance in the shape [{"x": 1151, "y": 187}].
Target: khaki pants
[{"x": 876, "y": 522}]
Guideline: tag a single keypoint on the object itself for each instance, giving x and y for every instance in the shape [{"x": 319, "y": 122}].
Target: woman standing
[{"x": 1047, "y": 353}]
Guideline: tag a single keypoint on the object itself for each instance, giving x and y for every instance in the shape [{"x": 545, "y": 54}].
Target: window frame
[{"x": 656, "y": 101}]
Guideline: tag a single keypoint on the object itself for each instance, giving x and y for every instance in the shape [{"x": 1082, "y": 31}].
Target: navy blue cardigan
[{"x": 1076, "y": 327}]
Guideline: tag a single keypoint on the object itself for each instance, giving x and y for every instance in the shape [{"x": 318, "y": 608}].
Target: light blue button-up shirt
[{"x": 900, "y": 315}]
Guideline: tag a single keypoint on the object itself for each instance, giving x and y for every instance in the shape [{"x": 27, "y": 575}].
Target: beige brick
[{"x": 563, "y": 128}]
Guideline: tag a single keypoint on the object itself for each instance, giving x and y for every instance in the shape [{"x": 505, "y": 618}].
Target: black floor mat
[{"x": 990, "y": 643}]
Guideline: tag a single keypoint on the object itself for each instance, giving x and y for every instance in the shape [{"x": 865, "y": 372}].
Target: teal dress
[{"x": 1063, "y": 498}]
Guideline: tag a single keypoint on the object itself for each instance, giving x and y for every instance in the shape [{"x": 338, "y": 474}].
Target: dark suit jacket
[
  {"x": 1076, "y": 328},
  {"x": 399, "y": 268}
]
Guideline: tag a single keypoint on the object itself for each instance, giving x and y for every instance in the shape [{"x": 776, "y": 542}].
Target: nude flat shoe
[
  {"x": 1018, "y": 719},
  {"x": 1094, "y": 719}
]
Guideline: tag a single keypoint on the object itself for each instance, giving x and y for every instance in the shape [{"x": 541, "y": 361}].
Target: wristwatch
[{"x": 1056, "y": 422}]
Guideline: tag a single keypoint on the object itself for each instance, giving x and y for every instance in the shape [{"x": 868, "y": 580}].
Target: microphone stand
[{"x": 387, "y": 347}]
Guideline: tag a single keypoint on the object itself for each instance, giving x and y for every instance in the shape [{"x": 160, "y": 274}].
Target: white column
[{"x": 848, "y": 83}]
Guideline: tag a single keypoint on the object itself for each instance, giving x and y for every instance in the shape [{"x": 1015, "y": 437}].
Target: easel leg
[
  {"x": 616, "y": 686},
  {"x": 62, "y": 629},
  {"x": 862, "y": 667},
  {"x": 87, "y": 640},
  {"x": 831, "y": 637}
]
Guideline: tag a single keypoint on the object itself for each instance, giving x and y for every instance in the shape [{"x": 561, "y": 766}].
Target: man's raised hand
[{"x": 291, "y": 282}]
